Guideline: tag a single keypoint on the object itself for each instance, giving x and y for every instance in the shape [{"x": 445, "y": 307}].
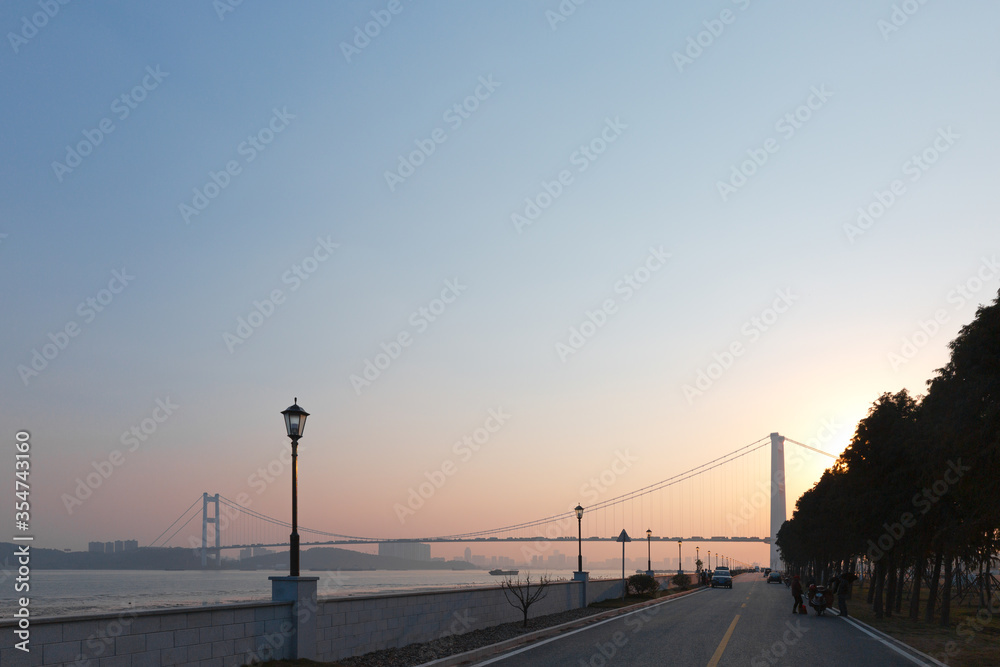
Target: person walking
[
  {"x": 843, "y": 590},
  {"x": 796, "y": 594}
]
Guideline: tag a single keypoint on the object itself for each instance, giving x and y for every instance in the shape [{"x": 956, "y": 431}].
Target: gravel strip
[{"x": 417, "y": 654}]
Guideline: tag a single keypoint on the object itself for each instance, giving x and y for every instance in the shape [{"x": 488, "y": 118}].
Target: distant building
[
  {"x": 468, "y": 555},
  {"x": 246, "y": 554},
  {"x": 95, "y": 547},
  {"x": 109, "y": 547},
  {"x": 408, "y": 550},
  {"x": 119, "y": 546},
  {"x": 261, "y": 551},
  {"x": 131, "y": 545}
]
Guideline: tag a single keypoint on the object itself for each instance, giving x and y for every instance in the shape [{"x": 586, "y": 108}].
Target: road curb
[
  {"x": 878, "y": 634},
  {"x": 502, "y": 647}
]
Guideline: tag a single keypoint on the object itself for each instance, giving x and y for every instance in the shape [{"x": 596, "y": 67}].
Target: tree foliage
[
  {"x": 917, "y": 488},
  {"x": 643, "y": 584}
]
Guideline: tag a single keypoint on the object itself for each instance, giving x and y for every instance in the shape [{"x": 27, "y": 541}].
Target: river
[{"x": 73, "y": 592}]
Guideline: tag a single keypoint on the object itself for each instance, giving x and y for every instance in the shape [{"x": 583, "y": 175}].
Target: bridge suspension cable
[
  {"x": 153, "y": 543},
  {"x": 248, "y": 516},
  {"x": 680, "y": 477}
]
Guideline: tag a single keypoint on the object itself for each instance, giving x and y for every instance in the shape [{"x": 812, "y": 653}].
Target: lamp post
[
  {"x": 680, "y": 570},
  {"x": 649, "y": 557},
  {"x": 295, "y": 425},
  {"x": 579, "y": 537},
  {"x": 697, "y": 555},
  {"x": 709, "y": 560}
]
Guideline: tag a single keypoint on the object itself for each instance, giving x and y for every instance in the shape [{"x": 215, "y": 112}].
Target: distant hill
[{"x": 179, "y": 558}]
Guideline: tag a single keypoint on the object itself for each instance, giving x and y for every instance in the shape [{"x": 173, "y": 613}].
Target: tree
[
  {"x": 521, "y": 595},
  {"x": 917, "y": 485}
]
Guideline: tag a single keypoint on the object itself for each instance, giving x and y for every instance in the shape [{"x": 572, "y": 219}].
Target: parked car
[
  {"x": 774, "y": 577},
  {"x": 721, "y": 578}
]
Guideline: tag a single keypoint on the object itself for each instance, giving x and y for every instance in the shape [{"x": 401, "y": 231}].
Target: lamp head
[{"x": 295, "y": 420}]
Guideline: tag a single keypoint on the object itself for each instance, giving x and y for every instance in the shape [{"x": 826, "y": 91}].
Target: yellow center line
[{"x": 722, "y": 645}]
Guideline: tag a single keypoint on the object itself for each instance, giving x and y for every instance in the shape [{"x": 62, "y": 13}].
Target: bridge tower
[
  {"x": 205, "y": 520},
  {"x": 777, "y": 494}
]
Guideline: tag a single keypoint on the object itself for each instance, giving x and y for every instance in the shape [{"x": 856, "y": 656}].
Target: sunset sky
[{"x": 549, "y": 226}]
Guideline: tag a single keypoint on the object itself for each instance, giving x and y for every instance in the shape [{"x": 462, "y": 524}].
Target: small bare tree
[{"x": 522, "y": 594}]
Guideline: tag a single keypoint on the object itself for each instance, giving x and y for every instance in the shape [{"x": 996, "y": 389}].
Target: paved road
[{"x": 751, "y": 624}]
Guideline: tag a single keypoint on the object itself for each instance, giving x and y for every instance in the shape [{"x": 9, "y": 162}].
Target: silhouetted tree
[{"x": 522, "y": 594}]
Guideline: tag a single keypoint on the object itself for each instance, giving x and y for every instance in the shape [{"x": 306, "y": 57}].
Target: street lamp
[
  {"x": 709, "y": 560},
  {"x": 649, "y": 558},
  {"x": 579, "y": 537},
  {"x": 295, "y": 425},
  {"x": 697, "y": 556},
  {"x": 680, "y": 570}
]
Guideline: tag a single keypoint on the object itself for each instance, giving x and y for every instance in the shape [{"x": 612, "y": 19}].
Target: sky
[{"x": 580, "y": 234}]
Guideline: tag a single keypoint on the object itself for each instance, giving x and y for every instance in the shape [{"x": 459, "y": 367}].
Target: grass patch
[{"x": 960, "y": 644}]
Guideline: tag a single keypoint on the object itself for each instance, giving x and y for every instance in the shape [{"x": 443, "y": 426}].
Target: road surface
[{"x": 751, "y": 624}]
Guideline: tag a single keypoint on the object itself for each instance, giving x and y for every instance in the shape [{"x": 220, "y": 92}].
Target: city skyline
[{"x": 498, "y": 250}]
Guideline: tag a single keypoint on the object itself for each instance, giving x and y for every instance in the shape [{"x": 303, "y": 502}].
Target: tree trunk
[
  {"x": 918, "y": 573},
  {"x": 983, "y": 597},
  {"x": 899, "y": 588},
  {"x": 890, "y": 589},
  {"x": 989, "y": 581},
  {"x": 878, "y": 584},
  {"x": 946, "y": 594},
  {"x": 933, "y": 588}
]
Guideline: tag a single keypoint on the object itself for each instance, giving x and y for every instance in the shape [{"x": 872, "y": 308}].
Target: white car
[{"x": 722, "y": 577}]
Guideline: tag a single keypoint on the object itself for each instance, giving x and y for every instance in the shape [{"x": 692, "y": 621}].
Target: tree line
[{"x": 915, "y": 497}]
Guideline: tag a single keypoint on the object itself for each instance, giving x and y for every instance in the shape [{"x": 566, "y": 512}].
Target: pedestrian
[
  {"x": 796, "y": 594},
  {"x": 843, "y": 590}
]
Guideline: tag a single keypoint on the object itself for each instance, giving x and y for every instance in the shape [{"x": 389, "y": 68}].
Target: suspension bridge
[{"x": 738, "y": 497}]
